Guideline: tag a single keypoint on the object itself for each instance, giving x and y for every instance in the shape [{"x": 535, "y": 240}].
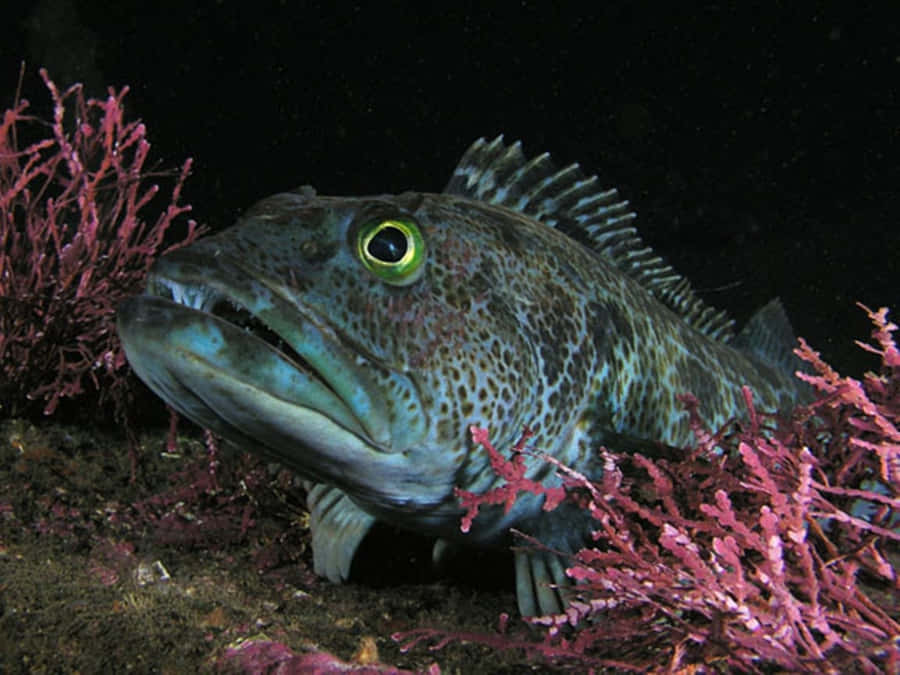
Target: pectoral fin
[
  {"x": 338, "y": 526},
  {"x": 540, "y": 582}
]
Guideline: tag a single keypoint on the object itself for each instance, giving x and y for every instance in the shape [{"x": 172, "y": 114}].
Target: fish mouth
[{"x": 236, "y": 356}]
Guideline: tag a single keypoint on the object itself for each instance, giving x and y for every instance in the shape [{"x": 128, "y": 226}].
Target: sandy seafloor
[{"x": 82, "y": 576}]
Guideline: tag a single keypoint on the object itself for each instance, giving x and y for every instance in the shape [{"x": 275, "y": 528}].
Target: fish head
[{"x": 356, "y": 340}]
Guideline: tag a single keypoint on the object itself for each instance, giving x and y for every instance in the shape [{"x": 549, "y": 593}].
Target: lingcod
[{"x": 356, "y": 340}]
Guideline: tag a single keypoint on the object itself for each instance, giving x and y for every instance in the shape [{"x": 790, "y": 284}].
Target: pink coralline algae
[
  {"x": 73, "y": 243},
  {"x": 770, "y": 546},
  {"x": 266, "y": 656}
]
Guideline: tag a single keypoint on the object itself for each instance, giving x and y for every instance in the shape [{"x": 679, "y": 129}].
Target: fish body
[{"x": 356, "y": 340}]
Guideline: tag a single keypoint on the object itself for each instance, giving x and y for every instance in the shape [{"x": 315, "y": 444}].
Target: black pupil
[{"x": 388, "y": 245}]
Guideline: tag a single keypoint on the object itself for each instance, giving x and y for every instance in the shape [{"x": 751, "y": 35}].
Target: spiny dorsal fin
[{"x": 494, "y": 172}]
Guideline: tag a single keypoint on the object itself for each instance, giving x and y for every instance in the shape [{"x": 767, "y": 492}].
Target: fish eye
[{"x": 392, "y": 249}]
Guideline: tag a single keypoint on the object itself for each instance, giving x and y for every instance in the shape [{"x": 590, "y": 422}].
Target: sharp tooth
[{"x": 195, "y": 297}]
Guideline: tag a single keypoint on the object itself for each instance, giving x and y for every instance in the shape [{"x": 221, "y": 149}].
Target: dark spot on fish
[
  {"x": 553, "y": 400},
  {"x": 297, "y": 283},
  {"x": 512, "y": 238},
  {"x": 607, "y": 323}
]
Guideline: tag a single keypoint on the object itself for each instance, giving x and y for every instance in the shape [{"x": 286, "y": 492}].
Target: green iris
[{"x": 393, "y": 250}]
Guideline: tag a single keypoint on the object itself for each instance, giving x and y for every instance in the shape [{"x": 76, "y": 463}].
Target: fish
[{"x": 356, "y": 340}]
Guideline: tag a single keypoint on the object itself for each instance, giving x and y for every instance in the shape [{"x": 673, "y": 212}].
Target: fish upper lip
[
  {"x": 315, "y": 346},
  {"x": 285, "y": 414}
]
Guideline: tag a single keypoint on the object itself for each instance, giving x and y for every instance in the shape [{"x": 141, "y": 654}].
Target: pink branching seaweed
[
  {"x": 867, "y": 415},
  {"x": 73, "y": 244},
  {"x": 513, "y": 472},
  {"x": 267, "y": 656},
  {"x": 772, "y": 546}
]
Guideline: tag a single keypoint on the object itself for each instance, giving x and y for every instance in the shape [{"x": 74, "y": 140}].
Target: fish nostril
[
  {"x": 309, "y": 249},
  {"x": 316, "y": 250}
]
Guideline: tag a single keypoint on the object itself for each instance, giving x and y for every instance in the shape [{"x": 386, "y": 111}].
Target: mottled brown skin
[{"x": 512, "y": 324}]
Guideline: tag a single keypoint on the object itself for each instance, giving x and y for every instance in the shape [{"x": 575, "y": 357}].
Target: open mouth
[
  {"x": 230, "y": 310},
  {"x": 238, "y": 352}
]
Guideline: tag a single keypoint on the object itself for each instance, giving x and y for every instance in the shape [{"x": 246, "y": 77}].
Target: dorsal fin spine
[{"x": 500, "y": 174}]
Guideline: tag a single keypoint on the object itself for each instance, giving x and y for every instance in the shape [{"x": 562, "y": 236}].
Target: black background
[{"x": 758, "y": 142}]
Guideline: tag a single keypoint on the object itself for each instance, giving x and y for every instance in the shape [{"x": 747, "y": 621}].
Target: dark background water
[{"x": 758, "y": 144}]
